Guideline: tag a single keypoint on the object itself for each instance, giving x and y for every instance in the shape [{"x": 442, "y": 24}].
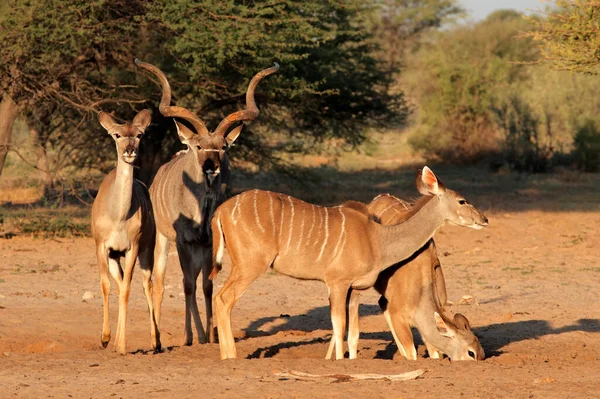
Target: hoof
[
  {"x": 105, "y": 341},
  {"x": 157, "y": 348}
]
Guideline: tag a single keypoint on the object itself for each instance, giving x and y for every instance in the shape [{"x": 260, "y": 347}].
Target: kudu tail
[{"x": 218, "y": 242}]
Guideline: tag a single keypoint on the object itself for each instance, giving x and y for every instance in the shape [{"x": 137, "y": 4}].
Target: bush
[
  {"x": 587, "y": 146},
  {"x": 524, "y": 150}
]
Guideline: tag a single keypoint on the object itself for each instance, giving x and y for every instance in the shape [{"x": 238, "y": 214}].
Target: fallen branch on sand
[{"x": 299, "y": 375}]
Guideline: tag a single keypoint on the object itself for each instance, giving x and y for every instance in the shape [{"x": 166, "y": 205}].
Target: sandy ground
[{"x": 534, "y": 277}]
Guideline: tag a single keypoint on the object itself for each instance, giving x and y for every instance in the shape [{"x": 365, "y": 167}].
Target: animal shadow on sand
[{"x": 492, "y": 337}]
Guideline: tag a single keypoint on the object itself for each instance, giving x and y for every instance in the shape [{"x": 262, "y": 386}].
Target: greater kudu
[
  {"x": 185, "y": 193},
  {"x": 123, "y": 226},
  {"x": 342, "y": 246},
  {"x": 412, "y": 295}
]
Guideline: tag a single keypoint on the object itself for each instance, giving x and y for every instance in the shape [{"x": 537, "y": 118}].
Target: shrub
[{"x": 587, "y": 146}]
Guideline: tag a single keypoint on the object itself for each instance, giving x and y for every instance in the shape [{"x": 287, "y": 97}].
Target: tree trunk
[
  {"x": 42, "y": 164},
  {"x": 8, "y": 114}
]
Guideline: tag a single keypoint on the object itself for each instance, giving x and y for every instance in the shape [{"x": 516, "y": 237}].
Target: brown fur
[
  {"x": 417, "y": 285},
  {"x": 123, "y": 227},
  {"x": 341, "y": 246}
]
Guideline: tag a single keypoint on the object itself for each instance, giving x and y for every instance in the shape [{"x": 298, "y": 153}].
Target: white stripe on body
[
  {"x": 237, "y": 203},
  {"x": 342, "y": 233},
  {"x": 287, "y": 248},
  {"x": 326, "y": 233},
  {"x": 281, "y": 220},
  {"x": 272, "y": 213},
  {"x": 319, "y": 228},
  {"x": 256, "y": 213},
  {"x": 313, "y": 223},
  {"x": 301, "y": 229}
]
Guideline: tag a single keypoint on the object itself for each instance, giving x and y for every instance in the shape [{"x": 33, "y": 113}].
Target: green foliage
[
  {"x": 64, "y": 60},
  {"x": 587, "y": 146},
  {"x": 569, "y": 37},
  {"x": 458, "y": 81},
  {"x": 329, "y": 85},
  {"x": 523, "y": 150}
]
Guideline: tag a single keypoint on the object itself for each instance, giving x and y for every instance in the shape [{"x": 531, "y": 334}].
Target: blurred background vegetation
[{"x": 363, "y": 85}]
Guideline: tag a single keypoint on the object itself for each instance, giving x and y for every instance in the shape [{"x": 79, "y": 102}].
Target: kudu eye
[
  {"x": 198, "y": 147},
  {"x": 462, "y": 202},
  {"x": 117, "y": 135},
  {"x": 471, "y": 354},
  {"x": 139, "y": 136}
]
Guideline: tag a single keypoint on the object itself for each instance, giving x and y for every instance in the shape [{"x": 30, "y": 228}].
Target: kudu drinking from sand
[
  {"x": 123, "y": 226},
  {"x": 185, "y": 193},
  {"x": 412, "y": 295},
  {"x": 341, "y": 246}
]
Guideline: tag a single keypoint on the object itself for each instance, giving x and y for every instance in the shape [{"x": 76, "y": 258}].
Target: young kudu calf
[
  {"x": 123, "y": 226},
  {"x": 412, "y": 295},
  {"x": 185, "y": 193},
  {"x": 341, "y": 246}
]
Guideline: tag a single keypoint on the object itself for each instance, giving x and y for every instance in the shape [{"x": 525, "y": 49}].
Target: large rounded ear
[
  {"x": 142, "y": 119},
  {"x": 233, "y": 134},
  {"x": 461, "y": 322},
  {"x": 427, "y": 182},
  {"x": 183, "y": 132},
  {"x": 107, "y": 122},
  {"x": 443, "y": 328}
]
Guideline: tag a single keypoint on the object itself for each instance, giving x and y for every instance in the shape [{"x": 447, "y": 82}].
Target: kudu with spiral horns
[{"x": 185, "y": 193}]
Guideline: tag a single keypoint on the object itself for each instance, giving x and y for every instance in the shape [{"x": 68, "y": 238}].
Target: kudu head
[
  {"x": 210, "y": 149},
  {"x": 455, "y": 207},
  {"x": 127, "y": 135},
  {"x": 463, "y": 344}
]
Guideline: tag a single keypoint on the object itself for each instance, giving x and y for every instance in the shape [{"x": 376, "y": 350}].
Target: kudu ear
[
  {"x": 107, "y": 122},
  {"x": 442, "y": 327},
  {"x": 142, "y": 119},
  {"x": 461, "y": 322},
  {"x": 184, "y": 133},
  {"x": 233, "y": 134},
  {"x": 428, "y": 183}
]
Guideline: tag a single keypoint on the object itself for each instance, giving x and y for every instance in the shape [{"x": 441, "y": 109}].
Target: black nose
[
  {"x": 130, "y": 150},
  {"x": 210, "y": 166},
  {"x": 485, "y": 219}
]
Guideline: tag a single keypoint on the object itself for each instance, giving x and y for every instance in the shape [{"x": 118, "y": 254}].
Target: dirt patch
[{"x": 534, "y": 277}]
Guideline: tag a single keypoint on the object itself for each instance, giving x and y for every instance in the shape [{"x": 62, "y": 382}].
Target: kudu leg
[
  {"x": 400, "y": 330},
  {"x": 337, "y": 303},
  {"x": 190, "y": 266},
  {"x": 161, "y": 256},
  {"x": 130, "y": 257},
  {"x": 207, "y": 289},
  {"x": 102, "y": 256},
  {"x": 146, "y": 258},
  {"x": 353, "y": 327}
]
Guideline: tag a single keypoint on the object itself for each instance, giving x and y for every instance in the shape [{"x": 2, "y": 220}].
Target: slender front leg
[
  {"x": 146, "y": 258},
  {"x": 130, "y": 257},
  {"x": 337, "y": 303},
  {"x": 400, "y": 330},
  {"x": 161, "y": 256},
  {"x": 207, "y": 289},
  {"x": 102, "y": 256},
  {"x": 353, "y": 327},
  {"x": 190, "y": 266}
]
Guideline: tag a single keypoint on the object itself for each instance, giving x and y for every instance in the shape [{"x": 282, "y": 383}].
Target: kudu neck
[
  {"x": 120, "y": 198},
  {"x": 398, "y": 242},
  {"x": 424, "y": 320}
]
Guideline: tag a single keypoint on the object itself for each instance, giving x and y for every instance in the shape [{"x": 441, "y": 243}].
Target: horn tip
[
  {"x": 137, "y": 61},
  {"x": 276, "y": 65}
]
